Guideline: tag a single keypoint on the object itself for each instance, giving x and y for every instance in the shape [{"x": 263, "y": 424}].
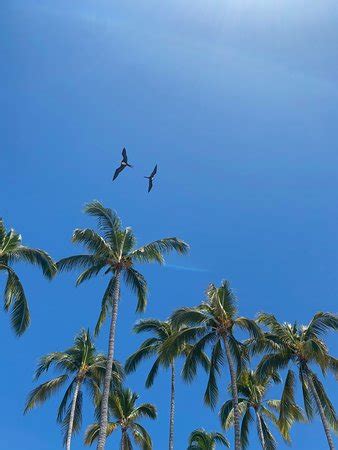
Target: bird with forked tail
[
  {"x": 151, "y": 178},
  {"x": 123, "y": 165}
]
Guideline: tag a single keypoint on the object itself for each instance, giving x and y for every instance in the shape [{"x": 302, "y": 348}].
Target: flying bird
[
  {"x": 151, "y": 177},
  {"x": 123, "y": 165}
]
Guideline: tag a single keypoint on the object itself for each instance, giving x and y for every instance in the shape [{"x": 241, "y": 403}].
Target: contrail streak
[{"x": 185, "y": 268}]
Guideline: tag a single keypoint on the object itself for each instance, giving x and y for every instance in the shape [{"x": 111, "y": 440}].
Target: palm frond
[
  {"x": 92, "y": 432},
  {"x": 146, "y": 350},
  {"x": 220, "y": 439},
  {"x": 247, "y": 418},
  {"x": 16, "y": 301},
  {"x": 136, "y": 281},
  {"x": 92, "y": 241},
  {"x": 58, "y": 358},
  {"x": 187, "y": 316},
  {"x": 129, "y": 242},
  {"x": 141, "y": 436},
  {"x": 145, "y": 410},
  {"x": 65, "y": 402},
  {"x": 250, "y": 326},
  {"x": 155, "y": 250},
  {"x": 333, "y": 365},
  {"x": 196, "y": 355},
  {"x": 270, "y": 442},
  {"x": 226, "y": 413},
  {"x": 41, "y": 393},
  {"x": 176, "y": 342},
  {"x": 106, "y": 304},
  {"x": 239, "y": 353},
  {"x": 224, "y": 296},
  {"x": 217, "y": 358},
  {"x": 152, "y": 373},
  {"x": 2, "y": 231},
  {"x": 90, "y": 272},
  {"x": 289, "y": 411},
  {"x": 272, "y": 323},
  {"x": 307, "y": 398},
  {"x": 76, "y": 262},
  {"x": 36, "y": 257},
  {"x": 10, "y": 242},
  {"x": 321, "y": 323},
  {"x": 154, "y": 325},
  {"x": 109, "y": 222},
  {"x": 272, "y": 363}
]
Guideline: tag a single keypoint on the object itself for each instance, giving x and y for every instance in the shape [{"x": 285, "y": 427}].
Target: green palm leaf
[
  {"x": 36, "y": 257},
  {"x": 136, "y": 281},
  {"x": 247, "y": 418},
  {"x": 109, "y": 222},
  {"x": 211, "y": 392},
  {"x": 16, "y": 302},
  {"x": 44, "y": 391}
]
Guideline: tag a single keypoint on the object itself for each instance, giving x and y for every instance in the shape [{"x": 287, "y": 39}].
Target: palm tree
[
  {"x": 213, "y": 322},
  {"x": 115, "y": 251},
  {"x": 83, "y": 366},
  {"x": 153, "y": 346},
  {"x": 302, "y": 346},
  {"x": 202, "y": 440},
  {"x": 125, "y": 415},
  {"x": 11, "y": 251},
  {"x": 252, "y": 391}
]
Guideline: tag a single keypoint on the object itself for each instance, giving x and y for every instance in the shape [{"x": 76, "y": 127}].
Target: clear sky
[{"x": 237, "y": 103}]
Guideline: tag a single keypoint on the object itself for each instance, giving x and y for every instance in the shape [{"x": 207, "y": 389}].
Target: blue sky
[{"x": 237, "y": 103}]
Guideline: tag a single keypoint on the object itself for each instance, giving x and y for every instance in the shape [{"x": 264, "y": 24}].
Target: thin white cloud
[{"x": 185, "y": 268}]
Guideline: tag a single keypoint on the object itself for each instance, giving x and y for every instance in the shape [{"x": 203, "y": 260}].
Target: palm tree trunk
[
  {"x": 233, "y": 378},
  {"x": 260, "y": 429},
  {"x": 172, "y": 409},
  {"x": 124, "y": 440},
  {"x": 320, "y": 408},
  {"x": 72, "y": 414},
  {"x": 107, "y": 379}
]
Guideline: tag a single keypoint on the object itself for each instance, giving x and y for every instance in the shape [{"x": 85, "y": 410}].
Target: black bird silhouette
[
  {"x": 151, "y": 177},
  {"x": 123, "y": 165}
]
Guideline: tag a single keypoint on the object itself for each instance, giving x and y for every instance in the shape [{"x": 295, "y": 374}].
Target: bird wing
[
  {"x": 150, "y": 185},
  {"x": 124, "y": 154},
  {"x": 118, "y": 171},
  {"x": 153, "y": 173}
]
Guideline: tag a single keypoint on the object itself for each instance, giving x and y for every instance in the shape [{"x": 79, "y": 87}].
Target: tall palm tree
[
  {"x": 252, "y": 402},
  {"x": 213, "y": 323},
  {"x": 115, "y": 250},
  {"x": 303, "y": 347},
  {"x": 11, "y": 251},
  {"x": 125, "y": 415},
  {"x": 202, "y": 440},
  {"x": 153, "y": 347},
  {"x": 83, "y": 366}
]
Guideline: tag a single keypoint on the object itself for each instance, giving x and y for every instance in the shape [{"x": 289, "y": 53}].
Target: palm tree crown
[
  {"x": 82, "y": 365},
  {"x": 115, "y": 250},
  {"x": 154, "y": 346},
  {"x": 125, "y": 415},
  {"x": 304, "y": 347},
  {"x": 11, "y": 251},
  {"x": 210, "y": 323},
  {"x": 202, "y": 440},
  {"x": 252, "y": 399},
  {"x": 213, "y": 323},
  {"x": 163, "y": 332}
]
